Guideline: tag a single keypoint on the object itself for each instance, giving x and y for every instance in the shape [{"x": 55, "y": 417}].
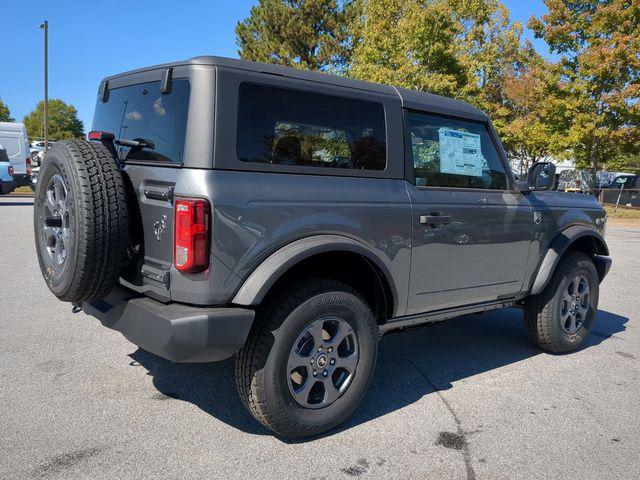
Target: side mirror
[{"x": 542, "y": 176}]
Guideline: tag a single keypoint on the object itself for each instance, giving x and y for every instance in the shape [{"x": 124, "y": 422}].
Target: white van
[{"x": 13, "y": 136}]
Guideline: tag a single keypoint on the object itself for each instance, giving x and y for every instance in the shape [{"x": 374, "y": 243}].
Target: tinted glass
[
  {"x": 454, "y": 153},
  {"x": 142, "y": 112},
  {"x": 619, "y": 181},
  {"x": 11, "y": 145},
  {"x": 291, "y": 127},
  {"x": 625, "y": 181}
]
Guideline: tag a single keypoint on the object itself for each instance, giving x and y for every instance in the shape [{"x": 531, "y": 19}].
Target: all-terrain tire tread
[
  {"x": 251, "y": 359},
  {"x": 538, "y": 311},
  {"x": 102, "y": 220}
]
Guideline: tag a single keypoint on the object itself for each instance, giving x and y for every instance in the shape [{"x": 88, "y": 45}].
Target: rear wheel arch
[
  {"x": 577, "y": 238},
  {"x": 325, "y": 256}
]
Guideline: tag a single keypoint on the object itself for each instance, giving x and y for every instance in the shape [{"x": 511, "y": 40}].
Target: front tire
[
  {"x": 309, "y": 362},
  {"x": 560, "y": 318}
]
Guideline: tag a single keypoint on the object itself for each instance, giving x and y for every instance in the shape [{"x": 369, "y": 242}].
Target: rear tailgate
[{"x": 157, "y": 122}]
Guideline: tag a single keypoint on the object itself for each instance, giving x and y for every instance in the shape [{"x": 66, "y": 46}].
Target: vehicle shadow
[{"x": 410, "y": 365}]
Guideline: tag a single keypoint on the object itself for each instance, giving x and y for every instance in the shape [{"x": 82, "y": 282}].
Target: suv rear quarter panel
[{"x": 253, "y": 219}]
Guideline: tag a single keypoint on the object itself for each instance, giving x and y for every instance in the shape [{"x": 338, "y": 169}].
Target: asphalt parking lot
[{"x": 465, "y": 399}]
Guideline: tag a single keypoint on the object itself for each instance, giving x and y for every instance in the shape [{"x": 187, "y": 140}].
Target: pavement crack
[
  {"x": 65, "y": 461},
  {"x": 459, "y": 439},
  {"x": 605, "y": 335},
  {"x": 626, "y": 355}
]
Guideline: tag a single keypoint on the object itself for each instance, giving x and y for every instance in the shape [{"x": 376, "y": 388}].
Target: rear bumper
[
  {"x": 174, "y": 331},
  {"x": 8, "y": 186},
  {"x": 21, "y": 179}
]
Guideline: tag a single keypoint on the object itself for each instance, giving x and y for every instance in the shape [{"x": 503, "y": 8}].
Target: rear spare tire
[{"x": 80, "y": 220}]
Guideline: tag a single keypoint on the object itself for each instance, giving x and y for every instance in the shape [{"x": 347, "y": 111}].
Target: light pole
[{"x": 45, "y": 27}]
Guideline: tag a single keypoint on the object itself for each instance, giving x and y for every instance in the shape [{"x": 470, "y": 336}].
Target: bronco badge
[
  {"x": 537, "y": 218},
  {"x": 159, "y": 227}
]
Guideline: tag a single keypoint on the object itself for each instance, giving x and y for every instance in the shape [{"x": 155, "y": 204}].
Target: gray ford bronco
[{"x": 222, "y": 207}]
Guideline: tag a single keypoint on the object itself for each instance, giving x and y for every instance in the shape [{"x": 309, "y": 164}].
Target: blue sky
[{"x": 90, "y": 40}]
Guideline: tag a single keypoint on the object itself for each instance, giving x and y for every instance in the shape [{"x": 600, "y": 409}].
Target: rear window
[
  {"x": 292, "y": 127},
  {"x": 11, "y": 145},
  {"x": 142, "y": 112}
]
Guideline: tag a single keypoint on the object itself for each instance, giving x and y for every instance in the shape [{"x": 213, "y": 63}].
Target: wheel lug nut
[
  {"x": 319, "y": 349},
  {"x": 315, "y": 372},
  {"x": 325, "y": 373},
  {"x": 312, "y": 361},
  {"x": 332, "y": 361},
  {"x": 330, "y": 349}
]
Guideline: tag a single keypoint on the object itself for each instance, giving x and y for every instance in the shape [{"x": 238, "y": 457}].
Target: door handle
[{"x": 434, "y": 219}]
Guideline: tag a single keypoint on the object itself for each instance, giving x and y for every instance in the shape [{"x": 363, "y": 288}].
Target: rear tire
[
  {"x": 289, "y": 399},
  {"x": 561, "y": 316},
  {"x": 80, "y": 220},
  {"x": 5, "y": 189}
]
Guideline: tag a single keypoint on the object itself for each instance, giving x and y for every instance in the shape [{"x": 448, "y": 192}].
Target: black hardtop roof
[{"x": 410, "y": 98}]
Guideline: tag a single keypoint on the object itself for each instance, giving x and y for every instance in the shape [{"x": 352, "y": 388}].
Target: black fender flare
[
  {"x": 258, "y": 283},
  {"x": 560, "y": 244}
]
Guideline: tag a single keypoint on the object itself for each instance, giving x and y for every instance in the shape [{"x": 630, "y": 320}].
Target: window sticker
[{"x": 460, "y": 153}]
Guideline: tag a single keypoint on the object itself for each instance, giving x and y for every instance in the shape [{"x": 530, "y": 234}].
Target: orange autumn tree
[
  {"x": 526, "y": 116},
  {"x": 597, "y": 87}
]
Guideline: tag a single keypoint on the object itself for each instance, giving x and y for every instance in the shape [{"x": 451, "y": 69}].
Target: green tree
[
  {"x": 306, "y": 34},
  {"x": 598, "y": 75},
  {"x": 458, "y": 48},
  {"x": 625, "y": 163},
  {"x": 5, "y": 114},
  {"x": 63, "y": 121},
  {"x": 465, "y": 49}
]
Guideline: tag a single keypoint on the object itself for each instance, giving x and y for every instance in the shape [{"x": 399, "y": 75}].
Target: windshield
[{"x": 141, "y": 112}]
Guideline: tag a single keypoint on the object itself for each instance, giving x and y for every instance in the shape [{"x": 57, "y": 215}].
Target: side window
[
  {"x": 454, "y": 153},
  {"x": 294, "y": 127},
  {"x": 619, "y": 182}
]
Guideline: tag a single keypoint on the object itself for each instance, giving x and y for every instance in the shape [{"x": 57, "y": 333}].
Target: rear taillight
[
  {"x": 10, "y": 170},
  {"x": 28, "y": 166},
  {"x": 191, "y": 239}
]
